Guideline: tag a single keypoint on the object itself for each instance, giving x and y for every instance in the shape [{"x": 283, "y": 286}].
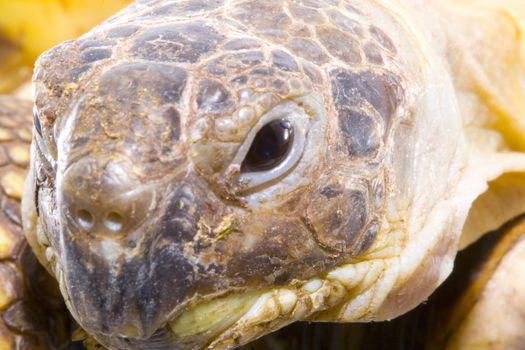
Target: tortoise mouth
[
  {"x": 214, "y": 321},
  {"x": 158, "y": 291},
  {"x": 200, "y": 273},
  {"x": 220, "y": 321},
  {"x": 172, "y": 288}
]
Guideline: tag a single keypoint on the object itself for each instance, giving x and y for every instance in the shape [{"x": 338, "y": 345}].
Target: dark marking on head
[
  {"x": 308, "y": 50},
  {"x": 262, "y": 15},
  {"x": 76, "y": 73},
  {"x": 308, "y": 15},
  {"x": 345, "y": 24},
  {"x": 166, "y": 257},
  {"x": 263, "y": 71},
  {"x": 280, "y": 86},
  {"x": 383, "y": 39},
  {"x": 354, "y": 89},
  {"x": 172, "y": 118},
  {"x": 373, "y": 54},
  {"x": 95, "y": 54},
  {"x": 339, "y": 44},
  {"x": 181, "y": 42},
  {"x": 284, "y": 248},
  {"x": 332, "y": 191},
  {"x": 341, "y": 221},
  {"x": 122, "y": 31},
  {"x": 241, "y": 44},
  {"x": 246, "y": 59},
  {"x": 129, "y": 301},
  {"x": 283, "y": 60},
  {"x": 182, "y": 214},
  {"x": 360, "y": 133},
  {"x": 258, "y": 265},
  {"x": 131, "y": 82},
  {"x": 240, "y": 80},
  {"x": 232, "y": 63}
]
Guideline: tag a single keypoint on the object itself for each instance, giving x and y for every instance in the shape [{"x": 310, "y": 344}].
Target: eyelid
[{"x": 298, "y": 118}]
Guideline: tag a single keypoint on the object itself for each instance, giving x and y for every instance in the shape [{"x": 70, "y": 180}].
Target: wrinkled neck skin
[{"x": 136, "y": 199}]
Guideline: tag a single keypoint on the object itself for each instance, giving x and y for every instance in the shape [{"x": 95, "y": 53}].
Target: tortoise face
[{"x": 188, "y": 160}]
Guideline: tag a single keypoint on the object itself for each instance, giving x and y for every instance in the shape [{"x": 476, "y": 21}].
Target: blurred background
[{"x": 29, "y": 27}]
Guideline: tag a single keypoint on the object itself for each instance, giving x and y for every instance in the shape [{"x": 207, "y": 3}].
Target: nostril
[
  {"x": 85, "y": 219},
  {"x": 113, "y": 221}
]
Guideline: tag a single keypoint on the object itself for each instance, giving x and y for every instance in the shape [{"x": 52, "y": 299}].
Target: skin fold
[{"x": 478, "y": 306}]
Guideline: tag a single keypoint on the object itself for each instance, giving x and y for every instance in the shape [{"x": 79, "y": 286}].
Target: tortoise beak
[{"x": 124, "y": 265}]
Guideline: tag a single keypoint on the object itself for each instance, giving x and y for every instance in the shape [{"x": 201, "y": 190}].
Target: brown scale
[{"x": 32, "y": 313}]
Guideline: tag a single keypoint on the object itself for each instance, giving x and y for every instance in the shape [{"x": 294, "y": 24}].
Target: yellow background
[{"x": 28, "y": 27}]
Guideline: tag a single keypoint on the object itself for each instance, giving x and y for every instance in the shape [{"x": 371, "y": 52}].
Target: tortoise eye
[
  {"x": 36, "y": 123},
  {"x": 270, "y": 146}
]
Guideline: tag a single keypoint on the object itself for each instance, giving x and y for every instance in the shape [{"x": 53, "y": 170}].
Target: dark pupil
[
  {"x": 38, "y": 126},
  {"x": 270, "y": 146}
]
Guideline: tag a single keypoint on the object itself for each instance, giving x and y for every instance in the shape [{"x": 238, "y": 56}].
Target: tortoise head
[{"x": 207, "y": 173}]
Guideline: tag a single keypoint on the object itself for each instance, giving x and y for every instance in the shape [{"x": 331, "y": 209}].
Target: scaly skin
[
  {"x": 480, "y": 306},
  {"x": 138, "y": 202}
]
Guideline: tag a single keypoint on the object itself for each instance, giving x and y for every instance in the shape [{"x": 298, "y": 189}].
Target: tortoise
[{"x": 203, "y": 173}]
